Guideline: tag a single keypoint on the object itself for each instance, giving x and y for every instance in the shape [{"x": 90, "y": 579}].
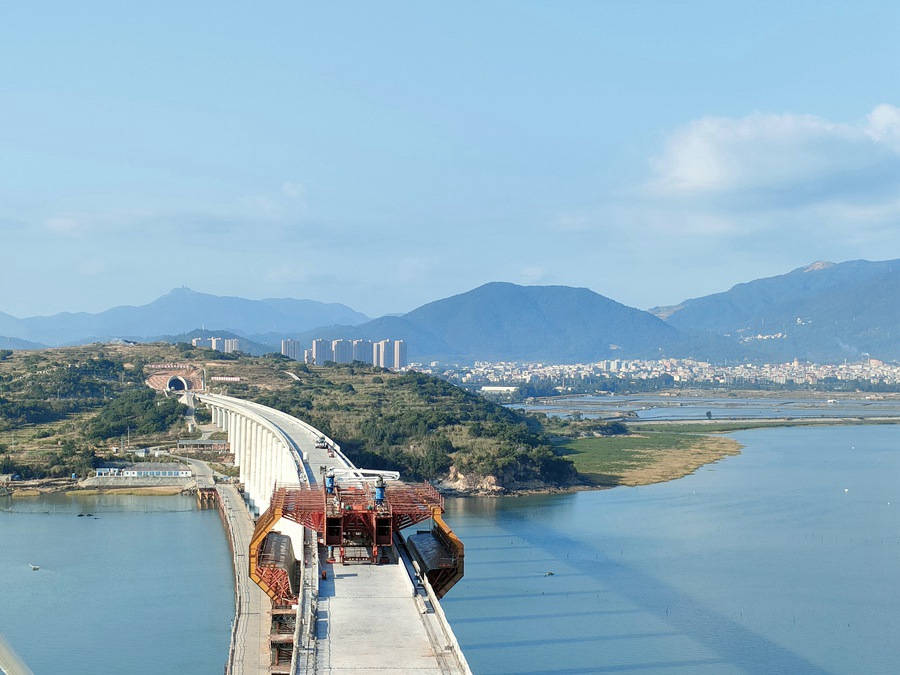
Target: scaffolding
[{"x": 354, "y": 518}]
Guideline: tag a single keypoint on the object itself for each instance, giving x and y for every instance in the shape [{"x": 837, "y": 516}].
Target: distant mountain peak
[
  {"x": 502, "y": 321},
  {"x": 844, "y": 310},
  {"x": 819, "y": 265},
  {"x": 181, "y": 310},
  {"x": 665, "y": 311}
]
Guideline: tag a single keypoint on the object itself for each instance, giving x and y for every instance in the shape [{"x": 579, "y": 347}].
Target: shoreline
[
  {"x": 660, "y": 466},
  {"x": 39, "y": 487},
  {"x": 705, "y": 451}
]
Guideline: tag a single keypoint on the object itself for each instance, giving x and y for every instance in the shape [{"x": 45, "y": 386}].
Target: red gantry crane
[{"x": 355, "y": 513}]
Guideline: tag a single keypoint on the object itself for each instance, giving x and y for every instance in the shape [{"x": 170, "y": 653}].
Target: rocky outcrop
[
  {"x": 472, "y": 485},
  {"x": 458, "y": 483}
]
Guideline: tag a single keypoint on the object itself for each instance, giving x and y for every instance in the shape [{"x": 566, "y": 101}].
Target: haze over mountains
[
  {"x": 179, "y": 311},
  {"x": 506, "y": 322},
  {"x": 824, "y": 312}
]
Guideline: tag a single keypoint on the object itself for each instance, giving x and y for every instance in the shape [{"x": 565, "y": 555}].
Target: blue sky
[{"x": 388, "y": 154}]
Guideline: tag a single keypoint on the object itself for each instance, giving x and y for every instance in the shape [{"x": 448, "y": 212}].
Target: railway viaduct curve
[{"x": 323, "y": 601}]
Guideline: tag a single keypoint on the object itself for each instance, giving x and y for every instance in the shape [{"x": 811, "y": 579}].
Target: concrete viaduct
[{"x": 325, "y": 583}]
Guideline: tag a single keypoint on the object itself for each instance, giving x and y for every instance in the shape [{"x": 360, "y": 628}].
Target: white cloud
[
  {"x": 286, "y": 274},
  {"x": 572, "y": 222},
  {"x": 532, "y": 275},
  {"x": 64, "y": 225},
  {"x": 94, "y": 267},
  {"x": 776, "y": 161},
  {"x": 732, "y": 199},
  {"x": 412, "y": 269},
  {"x": 884, "y": 125},
  {"x": 294, "y": 190}
]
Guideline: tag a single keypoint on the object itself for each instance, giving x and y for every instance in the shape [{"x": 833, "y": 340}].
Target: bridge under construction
[{"x": 341, "y": 582}]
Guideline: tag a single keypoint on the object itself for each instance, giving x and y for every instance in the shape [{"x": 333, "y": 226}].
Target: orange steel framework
[
  {"x": 349, "y": 519},
  {"x": 445, "y": 572}
]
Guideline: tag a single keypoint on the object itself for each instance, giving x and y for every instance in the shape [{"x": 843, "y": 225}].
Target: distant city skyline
[
  {"x": 219, "y": 344},
  {"x": 510, "y": 374},
  {"x": 402, "y": 152},
  {"x": 385, "y": 353}
]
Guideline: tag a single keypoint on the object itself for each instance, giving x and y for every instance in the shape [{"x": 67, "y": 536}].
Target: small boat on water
[{"x": 34, "y": 568}]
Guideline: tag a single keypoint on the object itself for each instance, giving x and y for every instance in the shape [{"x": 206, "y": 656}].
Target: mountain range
[
  {"x": 506, "y": 322},
  {"x": 823, "y": 312},
  {"x": 179, "y": 311}
]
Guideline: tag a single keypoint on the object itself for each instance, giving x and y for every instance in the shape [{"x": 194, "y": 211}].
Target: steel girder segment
[
  {"x": 411, "y": 504},
  {"x": 305, "y": 505},
  {"x": 275, "y": 564},
  {"x": 263, "y": 526}
]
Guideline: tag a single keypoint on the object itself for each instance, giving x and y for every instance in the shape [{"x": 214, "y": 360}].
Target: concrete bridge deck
[{"x": 361, "y": 619}]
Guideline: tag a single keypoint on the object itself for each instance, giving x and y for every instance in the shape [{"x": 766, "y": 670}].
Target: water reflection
[{"x": 764, "y": 565}]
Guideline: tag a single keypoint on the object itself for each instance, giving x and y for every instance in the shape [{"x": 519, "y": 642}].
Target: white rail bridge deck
[{"x": 360, "y": 618}]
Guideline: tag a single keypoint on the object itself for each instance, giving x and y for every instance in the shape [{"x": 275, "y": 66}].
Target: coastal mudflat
[
  {"x": 645, "y": 458},
  {"x": 41, "y": 487}
]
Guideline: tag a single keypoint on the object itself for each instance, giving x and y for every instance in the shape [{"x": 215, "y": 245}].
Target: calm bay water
[
  {"x": 785, "y": 559},
  {"x": 653, "y": 407},
  {"x": 144, "y": 585}
]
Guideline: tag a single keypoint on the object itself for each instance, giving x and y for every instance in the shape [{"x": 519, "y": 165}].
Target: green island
[{"x": 65, "y": 411}]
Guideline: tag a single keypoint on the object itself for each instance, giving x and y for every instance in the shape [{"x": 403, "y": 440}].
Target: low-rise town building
[{"x": 488, "y": 375}]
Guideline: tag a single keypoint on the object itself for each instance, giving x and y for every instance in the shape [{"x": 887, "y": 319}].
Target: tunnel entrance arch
[{"x": 177, "y": 383}]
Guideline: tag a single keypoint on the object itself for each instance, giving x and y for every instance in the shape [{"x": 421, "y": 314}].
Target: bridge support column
[
  {"x": 266, "y": 494},
  {"x": 273, "y": 460},
  {"x": 232, "y": 438},
  {"x": 249, "y": 451},
  {"x": 246, "y": 453},
  {"x": 256, "y": 469},
  {"x": 270, "y": 466},
  {"x": 284, "y": 456},
  {"x": 289, "y": 469}
]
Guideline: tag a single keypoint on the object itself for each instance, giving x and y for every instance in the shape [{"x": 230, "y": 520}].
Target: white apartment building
[
  {"x": 342, "y": 351},
  {"x": 321, "y": 352},
  {"x": 400, "y": 357},
  {"x": 383, "y": 354},
  {"x": 362, "y": 351}
]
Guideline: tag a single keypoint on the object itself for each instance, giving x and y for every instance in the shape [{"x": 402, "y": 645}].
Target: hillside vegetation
[
  {"x": 823, "y": 312},
  {"x": 62, "y": 409},
  {"x": 422, "y": 426}
]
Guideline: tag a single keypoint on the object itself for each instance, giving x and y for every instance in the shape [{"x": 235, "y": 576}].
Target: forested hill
[
  {"x": 508, "y": 322},
  {"x": 420, "y": 425},
  {"x": 61, "y": 410},
  {"x": 823, "y": 312}
]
